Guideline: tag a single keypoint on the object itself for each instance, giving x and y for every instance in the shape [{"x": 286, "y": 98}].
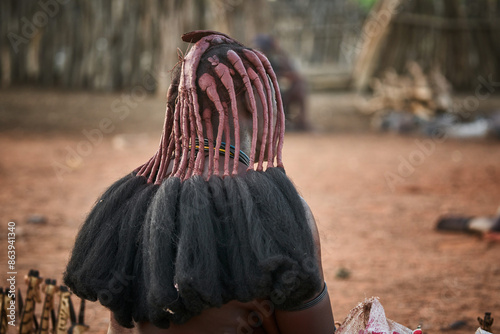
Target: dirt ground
[{"x": 376, "y": 199}]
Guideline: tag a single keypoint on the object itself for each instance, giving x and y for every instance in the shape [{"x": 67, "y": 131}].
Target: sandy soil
[{"x": 376, "y": 199}]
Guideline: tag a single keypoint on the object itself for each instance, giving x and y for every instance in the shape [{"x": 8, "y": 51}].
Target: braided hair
[
  {"x": 174, "y": 237},
  {"x": 215, "y": 69}
]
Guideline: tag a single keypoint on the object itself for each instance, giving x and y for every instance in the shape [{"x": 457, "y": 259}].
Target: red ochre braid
[{"x": 185, "y": 121}]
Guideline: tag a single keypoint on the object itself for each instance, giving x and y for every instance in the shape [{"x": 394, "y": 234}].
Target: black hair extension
[
  {"x": 241, "y": 258},
  {"x": 127, "y": 267},
  {"x": 282, "y": 215},
  {"x": 197, "y": 265},
  {"x": 98, "y": 236},
  {"x": 160, "y": 239},
  {"x": 224, "y": 231}
]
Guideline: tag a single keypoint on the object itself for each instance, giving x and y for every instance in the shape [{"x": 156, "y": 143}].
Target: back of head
[{"x": 217, "y": 75}]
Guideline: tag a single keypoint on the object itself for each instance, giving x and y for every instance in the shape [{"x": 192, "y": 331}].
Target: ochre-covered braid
[
  {"x": 254, "y": 77},
  {"x": 185, "y": 120},
  {"x": 255, "y": 60},
  {"x": 280, "y": 124}
]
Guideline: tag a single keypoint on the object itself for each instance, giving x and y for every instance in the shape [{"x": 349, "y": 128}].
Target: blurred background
[
  {"x": 111, "y": 45},
  {"x": 412, "y": 56},
  {"x": 393, "y": 113}
]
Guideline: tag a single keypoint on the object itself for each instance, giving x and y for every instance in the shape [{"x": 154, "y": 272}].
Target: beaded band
[
  {"x": 312, "y": 302},
  {"x": 243, "y": 158}
]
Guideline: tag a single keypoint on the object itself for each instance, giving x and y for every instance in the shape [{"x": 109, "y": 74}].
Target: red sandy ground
[{"x": 385, "y": 238}]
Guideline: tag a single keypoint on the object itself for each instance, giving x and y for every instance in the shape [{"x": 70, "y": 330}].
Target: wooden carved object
[
  {"x": 487, "y": 322},
  {"x": 77, "y": 327},
  {"x": 48, "y": 306},
  {"x": 28, "y": 321},
  {"x": 63, "y": 313},
  {"x": 4, "y": 303}
]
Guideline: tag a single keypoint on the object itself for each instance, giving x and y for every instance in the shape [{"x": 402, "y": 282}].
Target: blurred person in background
[{"x": 292, "y": 85}]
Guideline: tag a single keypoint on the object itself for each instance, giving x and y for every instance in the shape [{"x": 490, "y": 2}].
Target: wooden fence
[{"x": 116, "y": 44}]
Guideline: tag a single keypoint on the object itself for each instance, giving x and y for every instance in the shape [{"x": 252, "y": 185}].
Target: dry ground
[{"x": 381, "y": 232}]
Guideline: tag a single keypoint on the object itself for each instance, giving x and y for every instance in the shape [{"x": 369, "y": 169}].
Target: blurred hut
[{"x": 457, "y": 37}]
